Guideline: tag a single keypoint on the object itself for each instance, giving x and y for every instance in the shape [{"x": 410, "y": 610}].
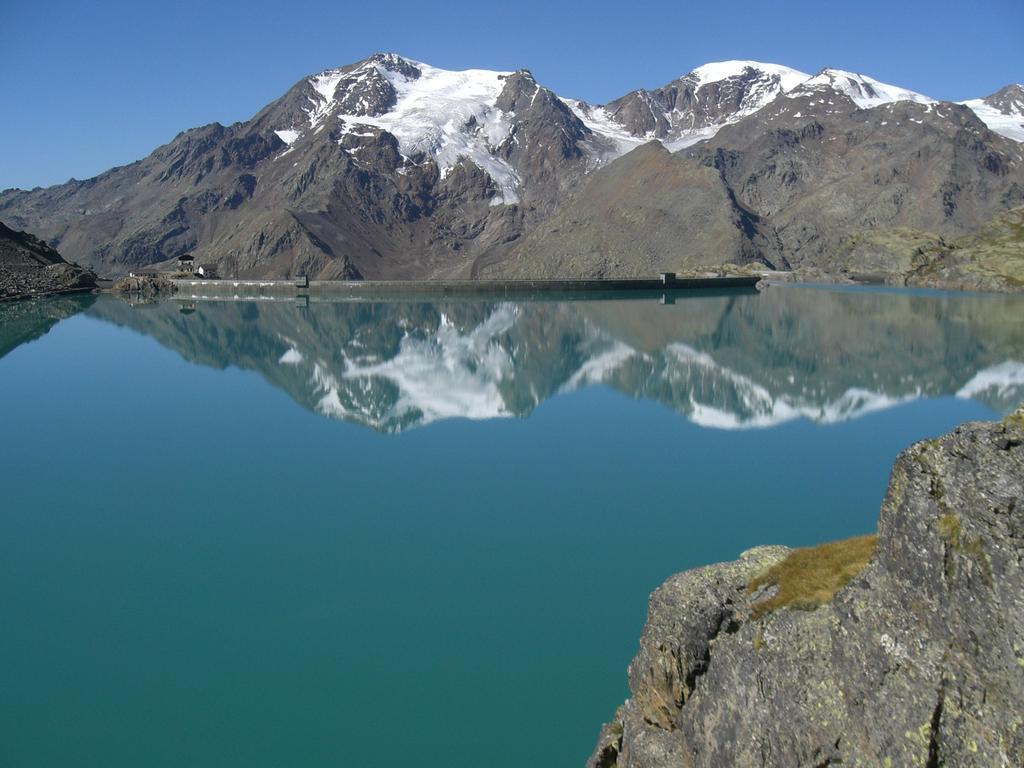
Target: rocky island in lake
[{"x": 905, "y": 649}]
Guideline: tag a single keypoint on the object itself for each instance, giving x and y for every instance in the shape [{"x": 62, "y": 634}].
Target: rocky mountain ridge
[
  {"x": 809, "y": 180},
  {"x": 392, "y": 168}
]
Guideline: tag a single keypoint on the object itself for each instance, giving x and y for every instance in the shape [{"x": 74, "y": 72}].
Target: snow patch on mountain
[
  {"x": 849, "y": 406},
  {"x": 866, "y": 92},
  {"x": 325, "y": 84},
  {"x": 601, "y": 366},
  {"x": 1007, "y": 123},
  {"x": 694, "y": 136},
  {"x": 764, "y": 83},
  {"x": 600, "y": 121}
]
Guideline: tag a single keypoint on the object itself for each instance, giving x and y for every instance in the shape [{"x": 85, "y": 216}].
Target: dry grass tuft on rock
[{"x": 811, "y": 576}]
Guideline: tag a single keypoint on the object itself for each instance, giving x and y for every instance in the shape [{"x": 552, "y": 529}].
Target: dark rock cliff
[{"x": 918, "y": 661}]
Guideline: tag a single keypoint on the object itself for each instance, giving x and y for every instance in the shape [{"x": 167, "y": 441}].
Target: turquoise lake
[{"x": 279, "y": 533}]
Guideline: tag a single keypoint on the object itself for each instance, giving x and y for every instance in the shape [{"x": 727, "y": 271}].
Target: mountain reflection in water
[
  {"x": 228, "y": 579},
  {"x": 733, "y": 361}
]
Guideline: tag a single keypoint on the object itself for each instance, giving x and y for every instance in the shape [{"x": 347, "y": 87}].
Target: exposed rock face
[
  {"x": 919, "y": 661},
  {"x": 815, "y": 181},
  {"x": 30, "y": 267},
  {"x": 650, "y": 211},
  {"x": 990, "y": 259}
]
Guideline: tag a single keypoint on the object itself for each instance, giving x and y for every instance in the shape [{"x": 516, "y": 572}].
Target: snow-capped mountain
[
  {"x": 448, "y": 116},
  {"x": 392, "y": 168},
  {"x": 690, "y": 108},
  {"x": 697, "y": 105},
  {"x": 453, "y": 116}
]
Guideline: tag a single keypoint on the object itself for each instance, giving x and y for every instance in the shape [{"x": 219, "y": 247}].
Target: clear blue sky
[{"x": 87, "y": 86}]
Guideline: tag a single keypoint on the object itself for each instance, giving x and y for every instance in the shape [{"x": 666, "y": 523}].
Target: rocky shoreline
[
  {"x": 29, "y": 268},
  {"x": 145, "y": 286},
  {"x": 991, "y": 263},
  {"x": 917, "y": 661}
]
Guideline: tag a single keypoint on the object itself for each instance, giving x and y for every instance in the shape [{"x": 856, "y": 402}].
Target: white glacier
[
  {"x": 866, "y": 92},
  {"x": 447, "y": 115},
  {"x": 1009, "y": 125}
]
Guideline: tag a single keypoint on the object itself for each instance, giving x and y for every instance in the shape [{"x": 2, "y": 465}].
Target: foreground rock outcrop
[
  {"x": 917, "y": 661},
  {"x": 29, "y": 267}
]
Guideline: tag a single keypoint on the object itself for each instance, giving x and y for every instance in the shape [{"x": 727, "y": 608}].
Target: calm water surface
[{"x": 269, "y": 534}]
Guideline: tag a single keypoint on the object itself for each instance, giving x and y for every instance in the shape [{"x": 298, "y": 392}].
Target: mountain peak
[
  {"x": 1009, "y": 100},
  {"x": 718, "y": 71},
  {"x": 443, "y": 114},
  {"x": 389, "y": 57},
  {"x": 1002, "y": 111}
]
